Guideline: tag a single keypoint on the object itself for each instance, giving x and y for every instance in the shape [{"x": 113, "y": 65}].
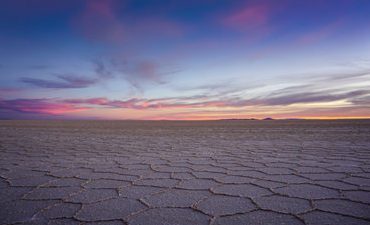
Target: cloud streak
[
  {"x": 64, "y": 82},
  {"x": 308, "y": 97},
  {"x": 40, "y": 106},
  {"x": 213, "y": 98},
  {"x": 219, "y": 108},
  {"x": 199, "y": 102},
  {"x": 136, "y": 72}
]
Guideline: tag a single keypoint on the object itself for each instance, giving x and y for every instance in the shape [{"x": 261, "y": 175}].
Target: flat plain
[{"x": 296, "y": 172}]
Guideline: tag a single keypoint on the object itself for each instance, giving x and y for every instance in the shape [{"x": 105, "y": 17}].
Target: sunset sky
[{"x": 184, "y": 59}]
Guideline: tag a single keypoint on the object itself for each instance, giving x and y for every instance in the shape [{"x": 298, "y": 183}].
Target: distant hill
[
  {"x": 268, "y": 118},
  {"x": 237, "y": 119}
]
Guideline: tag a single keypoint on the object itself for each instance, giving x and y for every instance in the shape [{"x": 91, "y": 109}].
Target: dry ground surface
[{"x": 182, "y": 173}]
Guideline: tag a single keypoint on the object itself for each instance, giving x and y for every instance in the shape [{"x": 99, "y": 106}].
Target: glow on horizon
[{"x": 184, "y": 60}]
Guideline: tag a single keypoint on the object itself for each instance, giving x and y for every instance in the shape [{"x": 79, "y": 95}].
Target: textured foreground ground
[{"x": 174, "y": 173}]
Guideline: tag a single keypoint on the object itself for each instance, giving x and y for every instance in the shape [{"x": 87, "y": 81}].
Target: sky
[{"x": 184, "y": 59}]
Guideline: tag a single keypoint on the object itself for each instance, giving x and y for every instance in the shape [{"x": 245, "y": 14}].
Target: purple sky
[{"x": 193, "y": 59}]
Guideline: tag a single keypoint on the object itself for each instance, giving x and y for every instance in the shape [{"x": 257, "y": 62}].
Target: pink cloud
[
  {"x": 92, "y": 101},
  {"x": 41, "y": 106},
  {"x": 254, "y": 20},
  {"x": 283, "y": 99},
  {"x": 274, "y": 100},
  {"x": 165, "y": 103},
  {"x": 99, "y": 22},
  {"x": 249, "y": 17},
  {"x": 131, "y": 103}
]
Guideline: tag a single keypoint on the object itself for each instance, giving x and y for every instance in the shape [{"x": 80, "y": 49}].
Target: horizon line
[{"x": 192, "y": 120}]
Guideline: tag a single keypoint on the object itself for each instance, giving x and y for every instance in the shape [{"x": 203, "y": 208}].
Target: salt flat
[{"x": 174, "y": 173}]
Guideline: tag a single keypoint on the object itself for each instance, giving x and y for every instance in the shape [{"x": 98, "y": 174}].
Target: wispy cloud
[
  {"x": 362, "y": 101},
  {"x": 202, "y": 102},
  {"x": 349, "y": 75},
  {"x": 249, "y": 16},
  {"x": 102, "y": 70},
  {"x": 212, "y": 98},
  {"x": 219, "y": 108},
  {"x": 136, "y": 72},
  {"x": 141, "y": 72},
  {"x": 308, "y": 97},
  {"x": 68, "y": 81},
  {"x": 339, "y": 79},
  {"x": 99, "y": 22},
  {"x": 135, "y": 103},
  {"x": 40, "y": 106},
  {"x": 10, "y": 92},
  {"x": 5, "y": 91},
  {"x": 64, "y": 82},
  {"x": 106, "y": 21},
  {"x": 255, "y": 19}
]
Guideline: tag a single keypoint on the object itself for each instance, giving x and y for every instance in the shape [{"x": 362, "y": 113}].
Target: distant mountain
[
  {"x": 237, "y": 119},
  {"x": 268, "y": 118}
]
